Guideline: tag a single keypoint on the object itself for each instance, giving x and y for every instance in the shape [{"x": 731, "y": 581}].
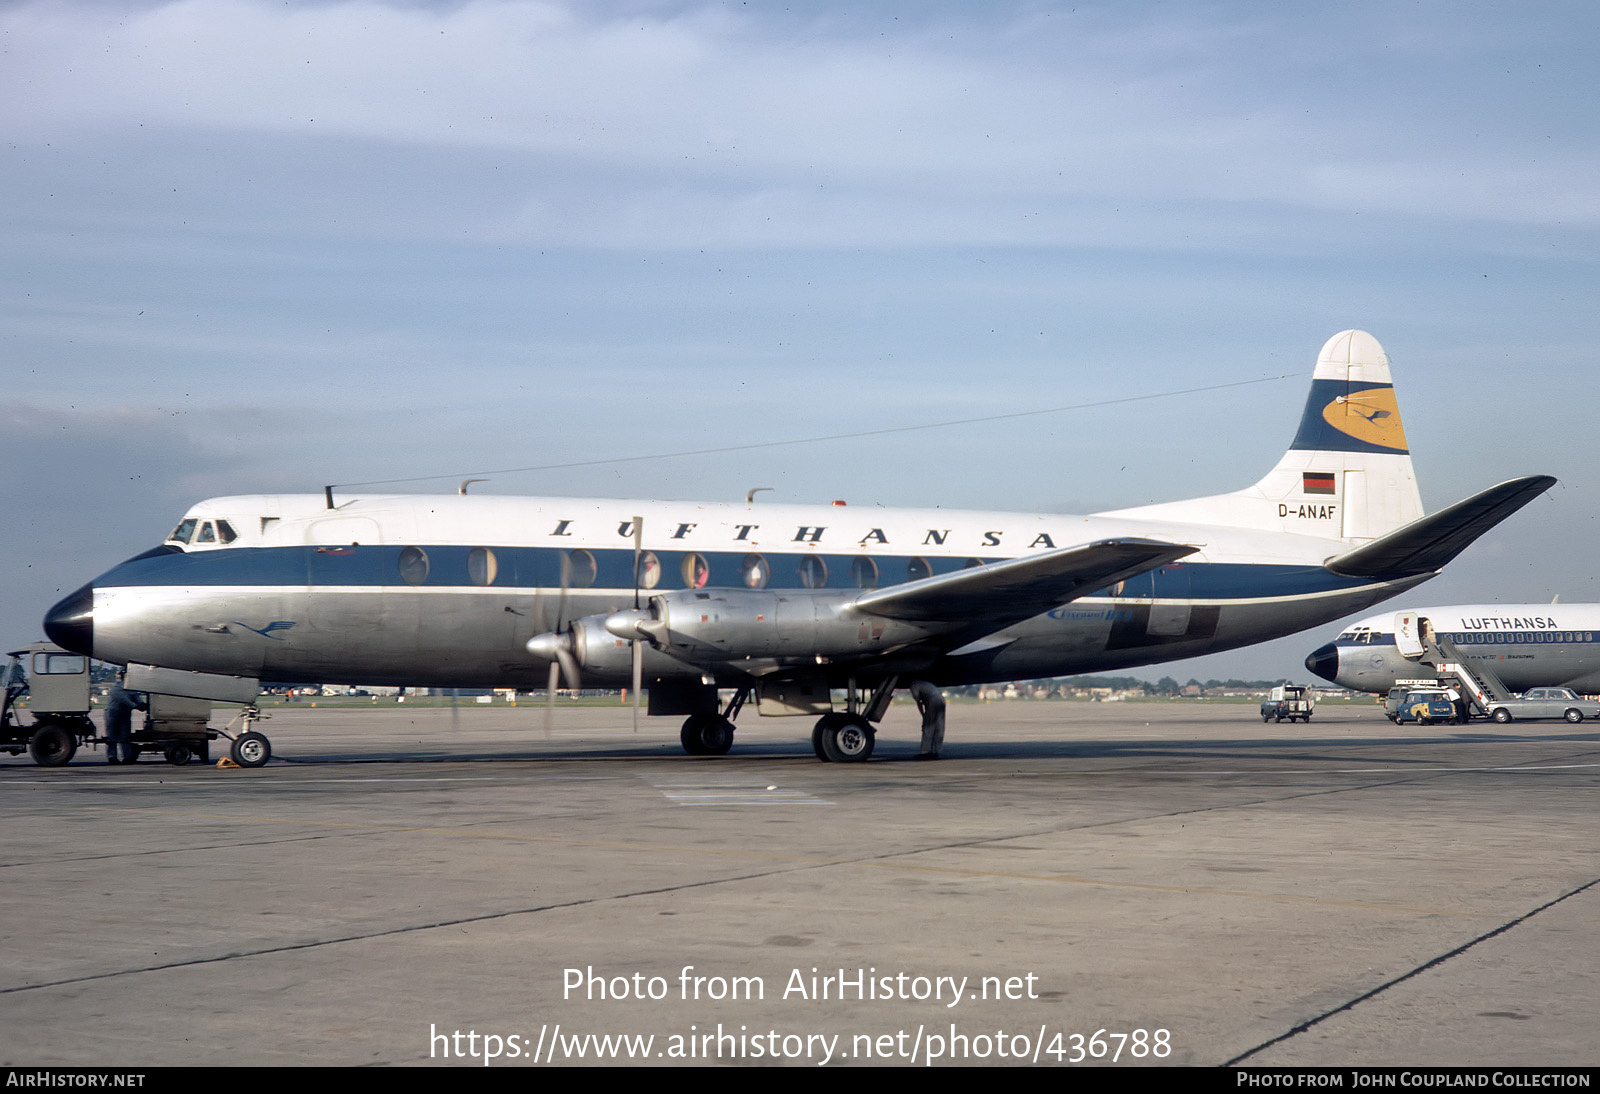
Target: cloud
[{"x": 686, "y": 125}]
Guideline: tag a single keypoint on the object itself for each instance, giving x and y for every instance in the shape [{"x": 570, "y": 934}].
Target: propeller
[{"x": 557, "y": 647}]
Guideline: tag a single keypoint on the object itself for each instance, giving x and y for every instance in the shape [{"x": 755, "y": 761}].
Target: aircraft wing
[
  {"x": 1003, "y": 593},
  {"x": 1427, "y": 543}
]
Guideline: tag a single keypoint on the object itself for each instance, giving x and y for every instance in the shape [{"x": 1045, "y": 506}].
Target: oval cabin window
[
  {"x": 482, "y": 566},
  {"x": 413, "y": 565}
]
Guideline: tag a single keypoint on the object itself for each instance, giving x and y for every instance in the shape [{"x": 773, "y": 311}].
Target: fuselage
[
  {"x": 1527, "y": 645},
  {"x": 446, "y": 590}
]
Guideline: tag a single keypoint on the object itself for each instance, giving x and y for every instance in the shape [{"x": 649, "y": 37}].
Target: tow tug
[{"x": 1289, "y": 701}]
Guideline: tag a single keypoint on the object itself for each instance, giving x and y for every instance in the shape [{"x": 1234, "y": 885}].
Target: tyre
[
  {"x": 251, "y": 750},
  {"x": 52, "y": 746},
  {"x": 178, "y": 753},
  {"x": 848, "y": 739},
  {"x": 716, "y": 737},
  {"x": 816, "y": 740},
  {"x": 689, "y": 736},
  {"x": 1573, "y": 715},
  {"x": 1502, "y": 715}
]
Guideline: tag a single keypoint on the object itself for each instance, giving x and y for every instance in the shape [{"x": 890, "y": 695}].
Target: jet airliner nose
[
  {"x": 1324, "y": 661},
  {"x": 70, "y": 624}
]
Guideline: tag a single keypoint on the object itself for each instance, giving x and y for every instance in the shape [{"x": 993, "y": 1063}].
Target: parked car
[
  {"x": 1425, "y": 707},
  {"x": 1545, "y": 703}
]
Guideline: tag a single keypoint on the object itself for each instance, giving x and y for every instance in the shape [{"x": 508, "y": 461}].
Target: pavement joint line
[{"x": 1296, "y": 1030}]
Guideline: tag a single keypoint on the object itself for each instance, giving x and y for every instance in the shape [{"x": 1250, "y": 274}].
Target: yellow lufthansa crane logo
[{"x": 1371, "y": 416}]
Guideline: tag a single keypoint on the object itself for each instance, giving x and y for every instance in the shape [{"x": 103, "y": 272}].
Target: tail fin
[{"x": 1347, "y": 474}]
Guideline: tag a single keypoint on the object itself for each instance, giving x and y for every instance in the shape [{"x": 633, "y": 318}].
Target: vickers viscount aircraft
[
  {"x": 1526, "y": 646},
  {"x": 786, "y": 604}
]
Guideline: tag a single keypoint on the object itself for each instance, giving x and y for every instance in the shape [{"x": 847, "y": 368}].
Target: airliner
[
  {"x": 1527, "y": 645},
  {"x": 792, "y": 606}
]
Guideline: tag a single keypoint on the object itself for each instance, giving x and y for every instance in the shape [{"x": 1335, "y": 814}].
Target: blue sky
[{"x": 266, "y": 246}]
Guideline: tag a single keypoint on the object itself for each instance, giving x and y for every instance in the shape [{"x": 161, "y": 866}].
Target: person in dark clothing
[{"x": 119, "y": 722}]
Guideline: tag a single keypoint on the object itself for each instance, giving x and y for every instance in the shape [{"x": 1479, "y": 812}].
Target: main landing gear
[
  {"x": 712, "y": 734},
  {"x": 843, "y": 738},
  {"x": 706, "y": 735}
]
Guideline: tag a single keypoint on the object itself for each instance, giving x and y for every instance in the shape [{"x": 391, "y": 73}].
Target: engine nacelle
[
  {"x": 736, "y": 624},
  {"x": 604, "y": 655}
]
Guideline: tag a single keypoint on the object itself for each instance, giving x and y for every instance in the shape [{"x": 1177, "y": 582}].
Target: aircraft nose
[
  {"x": 70, "y": 624},
  {"x": 1324, "y": 662}
]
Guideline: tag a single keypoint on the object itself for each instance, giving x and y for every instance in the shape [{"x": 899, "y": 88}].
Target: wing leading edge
[{"x": 1003, "y": 593}]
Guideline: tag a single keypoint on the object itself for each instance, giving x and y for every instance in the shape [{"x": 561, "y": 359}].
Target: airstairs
[{"x": 1418, "y": 641}]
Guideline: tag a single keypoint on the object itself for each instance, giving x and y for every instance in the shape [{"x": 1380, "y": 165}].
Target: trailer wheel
[
  {"x": 251, "y": 750},
  {"x": 52, "y": 746},
  {"x": 178, "y": 753}
]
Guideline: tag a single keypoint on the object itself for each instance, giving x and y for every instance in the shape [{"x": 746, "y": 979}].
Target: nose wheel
[{"x": 250, "y": 749}]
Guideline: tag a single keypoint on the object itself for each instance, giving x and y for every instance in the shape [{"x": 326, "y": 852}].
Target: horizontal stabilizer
[
  {"x": 1427, "y": 543},
  {"x": 1007, "y": 592}
]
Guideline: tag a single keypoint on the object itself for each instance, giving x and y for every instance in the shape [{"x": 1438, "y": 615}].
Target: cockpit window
[
  {"x": 225, "y": 532},
  {"x": 182, "y": 532},
  {"x": 208, "y": 534}
]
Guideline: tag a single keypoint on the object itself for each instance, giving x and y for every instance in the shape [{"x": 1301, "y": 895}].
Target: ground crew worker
[{"x": 119, "y": 722}]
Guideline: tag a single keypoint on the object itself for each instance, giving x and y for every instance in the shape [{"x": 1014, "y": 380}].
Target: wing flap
[
  {"x": 1007, "y": 592},
  {"x": 1427, "y": 543}
]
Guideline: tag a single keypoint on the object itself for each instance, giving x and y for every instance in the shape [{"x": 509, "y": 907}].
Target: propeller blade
[
  {"x": 638, "y": 679},
  {"x": 638, "y": 552},
  {"x": 555, "y": 645},
  {"x": 566, "y": 583},
  {"x": 569, "y": 665},
  {"x": 550, "y": 697}
]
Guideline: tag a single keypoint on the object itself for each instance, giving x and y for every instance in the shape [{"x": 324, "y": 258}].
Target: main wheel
[
  {"x": 251, "y": 750},
  {"x": 706, "y": 735},
  {"x": 1502, "y": 715},
  {"x": 1573, "y": 715},
  {"x": 689, "y": 736},
  {"x": 52, "y": 746},
  {"x": 847, "y": 738},
  {"x": 816, "y": 739},
  {"x": 716, "y": 737}
]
